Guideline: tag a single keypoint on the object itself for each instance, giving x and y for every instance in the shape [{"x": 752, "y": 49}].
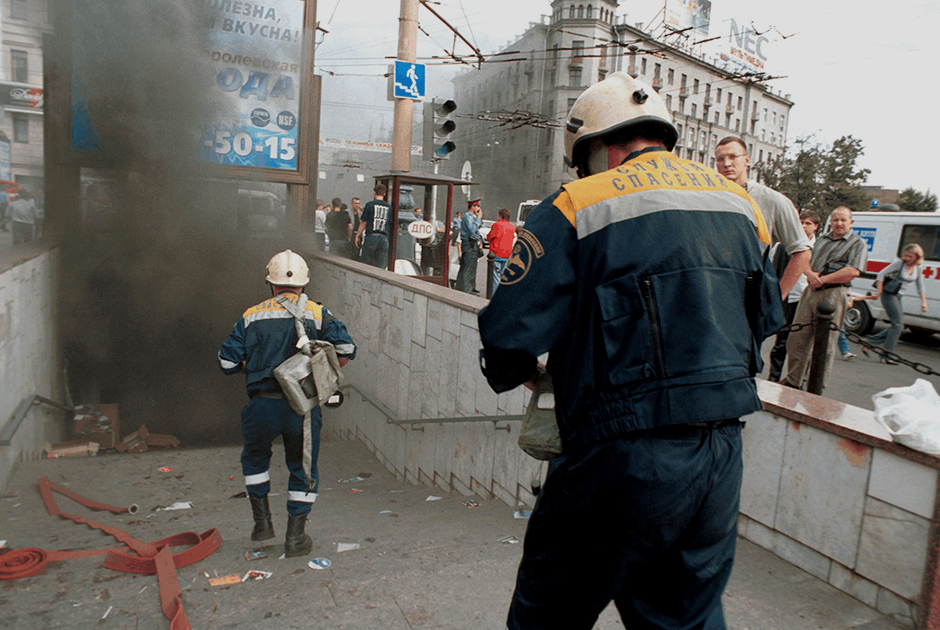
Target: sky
[{"x": 851, "y": 68}]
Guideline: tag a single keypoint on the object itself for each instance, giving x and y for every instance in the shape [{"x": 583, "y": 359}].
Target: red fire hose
[{"x": 136, "y": 557}]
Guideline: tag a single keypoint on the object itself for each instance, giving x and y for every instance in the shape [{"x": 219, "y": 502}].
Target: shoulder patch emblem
[{"x": 526, "y": 250}]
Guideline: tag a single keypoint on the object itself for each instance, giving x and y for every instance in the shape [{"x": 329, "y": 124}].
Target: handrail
[
  {"x": 6, "y": 435},
  {"x": 391, "y": 418}
]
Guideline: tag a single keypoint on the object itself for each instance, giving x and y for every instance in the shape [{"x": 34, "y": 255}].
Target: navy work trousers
[
  {"x": 648, "y": 521},
  {"x": 263, "y": 419}
]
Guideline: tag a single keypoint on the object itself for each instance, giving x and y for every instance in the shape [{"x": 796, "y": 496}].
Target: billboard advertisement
[
  {"x": 689, "y": 14},
  {"x": 247, "y": 94},
  {"x": 257, "y": 55},
  {"x": 746, "y": 48}
]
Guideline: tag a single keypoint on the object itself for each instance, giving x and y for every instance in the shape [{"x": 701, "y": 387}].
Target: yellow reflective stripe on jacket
[
  {"x": 270, "y": 309},
  {"x": 657, "y": 179}
]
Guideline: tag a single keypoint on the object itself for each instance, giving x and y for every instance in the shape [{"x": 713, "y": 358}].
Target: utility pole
[{"x": 404, "y": 107}]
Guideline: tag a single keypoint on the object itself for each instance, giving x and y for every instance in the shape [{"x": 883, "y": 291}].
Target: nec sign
[{"x": 744, "y": 39}]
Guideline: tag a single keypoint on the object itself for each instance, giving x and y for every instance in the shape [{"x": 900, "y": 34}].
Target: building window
[
  {"x": 574, "y": 77},
  {"x": 737, "y": 125},
  {"x": 671, "y": 76},
  {"x": 728, "y": 121},
  {"x": 590, "y": 11},
  {"x": 555, "y": 55},
  {"x": 781, "y": 122},
  {"x": 695, "y": 87},
  {"x": 18, "y": 9},
  {"x": 658, "y": 73},
  {"x": 571, "y": 12},
  {"x": 708, "y": 90},
  {"x": 669, "y": 102},
  {"x": 577, "y": 50},
  {"x": 740, "y": 103},
  {"x": 718, "y": 96},
  {"x": 694, "y": 109},
  {"x": 580, "y": 10},
  {"x": 716, "y": 118},
  {"x": 681, "y": 105},
  {"x": 643, "y": 66},
  {"x": 20, "y": 62},
  {"x": 683, "y": 80},
  {"x": 21, "y": 128},
  {"x": 765, "y": 114}
]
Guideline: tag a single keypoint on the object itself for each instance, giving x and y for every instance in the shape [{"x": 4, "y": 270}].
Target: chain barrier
[
  {"x": 886, "y": 354},
  {"x": 881, "y": 352}
]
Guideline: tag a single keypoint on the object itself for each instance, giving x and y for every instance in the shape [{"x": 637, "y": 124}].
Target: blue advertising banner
[
  {"x": 255, "y": 57},
  {"x": 257, "y": 52}
]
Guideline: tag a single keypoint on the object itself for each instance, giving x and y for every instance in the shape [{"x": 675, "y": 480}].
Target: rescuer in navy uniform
[
  {"x": 263, "y": 338},
  {"x": 645, "y": 282}
]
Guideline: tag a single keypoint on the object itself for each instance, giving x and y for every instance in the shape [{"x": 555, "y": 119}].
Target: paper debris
[
  {"x": 224, "y": 581},
  {"x": 431, "y": 497},
  {"x": 256, "y": 575},
  {"x": 341, "y": 547},
  {"x": 179, "y": 505}
]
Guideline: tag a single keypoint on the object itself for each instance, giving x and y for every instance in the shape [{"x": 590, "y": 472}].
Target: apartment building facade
[
  {"x": 513, "y": 109},
  {"x": 22, "y": 25}
]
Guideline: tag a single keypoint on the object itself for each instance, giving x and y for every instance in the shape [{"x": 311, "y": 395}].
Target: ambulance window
[{"x": 927, "y": 236}]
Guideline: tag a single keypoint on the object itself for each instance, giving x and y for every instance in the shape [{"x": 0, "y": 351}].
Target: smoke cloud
[{"x": 161, "y": 267}]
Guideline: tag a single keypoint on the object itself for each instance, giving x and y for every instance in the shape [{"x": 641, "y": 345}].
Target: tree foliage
[
  {"x": 912, "y": 200},
  {"x": 819, "y": 177}
]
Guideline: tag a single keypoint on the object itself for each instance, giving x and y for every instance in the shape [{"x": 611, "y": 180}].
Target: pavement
[{"x": 421, "y": 561}]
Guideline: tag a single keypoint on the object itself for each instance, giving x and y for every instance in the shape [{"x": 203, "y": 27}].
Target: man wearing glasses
[{"x": 732, "y": 160}]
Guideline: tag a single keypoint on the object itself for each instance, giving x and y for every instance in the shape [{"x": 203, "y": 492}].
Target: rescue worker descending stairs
[{"x": 263, "y": 338}]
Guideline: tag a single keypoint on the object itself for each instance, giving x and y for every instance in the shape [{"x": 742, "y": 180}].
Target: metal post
[
  {"x": 407, "y": 50},
  {"x": 817, "y": 370},
  {"x": 490, "y": 279}
]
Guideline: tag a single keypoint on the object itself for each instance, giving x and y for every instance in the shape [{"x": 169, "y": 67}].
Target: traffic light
[{"x": 438, "y": 128}]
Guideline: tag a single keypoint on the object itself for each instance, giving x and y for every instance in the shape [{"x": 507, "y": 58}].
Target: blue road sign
[{"x": 409, "y": 80}]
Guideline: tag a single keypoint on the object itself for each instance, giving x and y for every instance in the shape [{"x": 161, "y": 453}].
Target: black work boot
[
  {"x": 297, "y": 543},
  {"x": 264, "y": 529}
]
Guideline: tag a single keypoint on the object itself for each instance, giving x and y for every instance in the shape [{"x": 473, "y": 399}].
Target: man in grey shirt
[
  {"x": 22, "y": 214},
  {"x": 838, "y": 257},
  {"x": 783, "y": 221}
]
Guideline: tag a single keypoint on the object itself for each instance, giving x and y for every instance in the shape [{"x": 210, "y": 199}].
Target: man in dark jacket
[
  {"x": 646, "y": 283},
  {"x": 264, "y": 337}
]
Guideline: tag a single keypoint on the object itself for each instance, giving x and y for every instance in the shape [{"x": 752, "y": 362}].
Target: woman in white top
[{"x": 907, "y": 270}]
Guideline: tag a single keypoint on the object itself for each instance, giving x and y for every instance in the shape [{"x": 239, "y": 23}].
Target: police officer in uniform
[
  {"x": 263, "y": 338},
  {"x": 645, "y": 282}
]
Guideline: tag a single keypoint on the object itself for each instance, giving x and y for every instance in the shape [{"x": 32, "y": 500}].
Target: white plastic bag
[{"x": 911, "y": 415}]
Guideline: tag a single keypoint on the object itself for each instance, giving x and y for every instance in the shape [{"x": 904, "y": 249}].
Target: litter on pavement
[
  {"x": 256, "y": 575},
  {"x": 256, "y": 554},
  {"x": 522, "y": 514},
  {"x": 226, "y": 580},
  {"x": 509, "y": 540},
  {"x": 341, "y": 547},
  {"x": 319, "y": 564},
  {"x": 431, "y": 497},
  {"x": 179, "y": 505}
]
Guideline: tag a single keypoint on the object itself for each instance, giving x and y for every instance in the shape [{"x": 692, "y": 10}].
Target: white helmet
[
  {"x": 288, "y": 269},
  {"x": 616, "y": 103}
]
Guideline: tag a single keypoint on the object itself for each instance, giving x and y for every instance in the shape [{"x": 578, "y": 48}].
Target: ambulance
[{"x": 886, "y": 234}]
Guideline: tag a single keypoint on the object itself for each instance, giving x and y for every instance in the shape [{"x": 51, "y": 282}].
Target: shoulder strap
[{"x": 297, "y": 310}]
